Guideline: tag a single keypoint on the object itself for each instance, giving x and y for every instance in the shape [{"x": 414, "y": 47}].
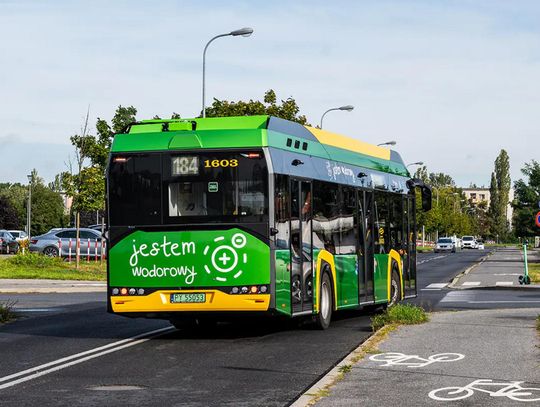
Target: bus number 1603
[{"x": 220, "y": 163}]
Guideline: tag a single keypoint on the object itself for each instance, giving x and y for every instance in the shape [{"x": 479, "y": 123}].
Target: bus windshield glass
[{"x": 216, "y": 186}]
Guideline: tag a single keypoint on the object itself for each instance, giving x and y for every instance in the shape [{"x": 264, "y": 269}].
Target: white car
[
  {"x": 480, "y": 244},
  {"x": 468, "y": 242}
]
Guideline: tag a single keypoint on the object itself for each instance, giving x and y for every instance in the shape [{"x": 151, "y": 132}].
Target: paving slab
[
  {"x": 50, "y": 286},
  {"x": 499, "y": 269},
  {"x": 455, "y": 349}
]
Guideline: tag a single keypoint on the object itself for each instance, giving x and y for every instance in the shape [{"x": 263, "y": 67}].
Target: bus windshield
[
  {"x": 188, "y": 187},
  {"x": 217, "y": 185}
]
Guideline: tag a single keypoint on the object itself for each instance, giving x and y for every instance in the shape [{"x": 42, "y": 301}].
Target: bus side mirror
[
  {"x": 426, "y": 198},
  {"x": 273, "y": 231}
]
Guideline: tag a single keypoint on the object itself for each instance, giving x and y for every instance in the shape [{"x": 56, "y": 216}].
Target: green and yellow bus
[{"x": 246, "y": 215}]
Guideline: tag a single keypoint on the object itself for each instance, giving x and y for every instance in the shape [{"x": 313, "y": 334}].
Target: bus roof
[{"x": 255, "y": 131}]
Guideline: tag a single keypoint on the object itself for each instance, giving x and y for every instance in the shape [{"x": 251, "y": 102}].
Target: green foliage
[
  {"x": 8, "y": 214},
  {"x": 86, "y": 183},
  {"x": 47, "y": 205},
  {"x": 6, "y": 311},
  {"x": 499, "y": 190},
  {"x": 526, "y": 198},
  {"x": 403, "y": 314},
  {"x": 34, "y": 260},
  {"x": 287, "y": 109},
  {"x": 450, "y": 213}
]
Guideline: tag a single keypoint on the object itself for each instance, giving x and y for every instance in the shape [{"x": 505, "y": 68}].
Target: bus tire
[
  {"x": 395, "y": 287},
  {"x": 326, "y": 303}
]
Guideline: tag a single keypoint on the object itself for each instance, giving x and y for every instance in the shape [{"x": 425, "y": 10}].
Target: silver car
[{"x": 63, "y": 242}]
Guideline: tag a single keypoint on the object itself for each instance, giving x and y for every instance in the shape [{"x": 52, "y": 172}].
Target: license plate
[{"x": 188, "y": 298}]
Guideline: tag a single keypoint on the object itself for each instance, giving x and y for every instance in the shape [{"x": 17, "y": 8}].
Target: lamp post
[
  {"x": 346, "y": 108},
  {"x": 388, "y": 143},
  {"x": 416, "y": 163},
  {"x": 29, "y": 208},
  {"x": 244, "y": 32}
]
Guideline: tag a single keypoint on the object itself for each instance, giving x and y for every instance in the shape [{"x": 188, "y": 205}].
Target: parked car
[
  {"x": 20, "y": 236},
  {"x": 8, "y": 244},
  {"x": 57, "y": 242},
  {"x": 445, "y": 244},
  {"x": 97, "y": 227},
  {"x": 468, "y": 242}
]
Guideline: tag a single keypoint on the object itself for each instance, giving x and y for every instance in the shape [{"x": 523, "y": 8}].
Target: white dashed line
[
  {"x": 504, "y": 283},
  {"x": 471, "y": 283}
]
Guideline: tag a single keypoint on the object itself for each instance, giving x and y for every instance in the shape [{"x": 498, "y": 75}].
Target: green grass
[
  {"x": 534, "y": 272},
  {"x": 421, "y": 249},
  {"x": 33, "y": 266},
  {"x": 6, "y": 311},
  {"x": 400, "y": 314}
]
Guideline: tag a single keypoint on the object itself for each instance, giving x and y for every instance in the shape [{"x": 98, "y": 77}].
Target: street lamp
[
  {"x": 347, "y": 108},
  {"x": 416, "y": 163},
  {"x": 244, "y": 32},
  {"x": 388, "y": 143},
  {"x": 29, "y": 207}
]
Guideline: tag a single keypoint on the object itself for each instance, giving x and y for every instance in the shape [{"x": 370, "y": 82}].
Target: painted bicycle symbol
[
  {"x": 400, "y": 359},
  {"x": 225, "y": 258},
  {"x": 512, "y": 390}
]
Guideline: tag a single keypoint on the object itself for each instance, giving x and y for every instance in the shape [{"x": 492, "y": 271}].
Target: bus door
[
  {"x": 409, "y": 272},
  {"x": 301, "y": 246},
  {"x": 366, "y": 270}
]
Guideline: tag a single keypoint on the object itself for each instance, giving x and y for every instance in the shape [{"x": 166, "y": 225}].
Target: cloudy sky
[{"x": 453, "y": 82}]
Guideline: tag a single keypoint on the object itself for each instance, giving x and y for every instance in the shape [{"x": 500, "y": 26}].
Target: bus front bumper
[{"x": 160, "y": 301}]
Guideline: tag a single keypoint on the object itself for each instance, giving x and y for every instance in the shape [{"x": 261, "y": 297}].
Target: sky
[{"x": 453, "y": 82}]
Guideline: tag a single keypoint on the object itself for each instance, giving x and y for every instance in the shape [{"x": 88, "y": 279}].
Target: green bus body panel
[
  {"x": 347, "y": 280},
  {"x": 189, "y": 259},
  {"x": 381, "y": 278},
  {"x": 283, "y": 281}
]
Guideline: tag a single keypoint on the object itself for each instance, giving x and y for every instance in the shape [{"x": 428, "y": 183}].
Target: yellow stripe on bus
[
  {"x": 347, "y": 143},
  {"x": 215, "y": 301}
]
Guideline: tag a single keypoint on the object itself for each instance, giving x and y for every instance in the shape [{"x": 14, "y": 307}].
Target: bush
[
  {"x": 35, "y": 260},
  {"x": 404, "y": 314},
  {"x": 6, "y": 311}
]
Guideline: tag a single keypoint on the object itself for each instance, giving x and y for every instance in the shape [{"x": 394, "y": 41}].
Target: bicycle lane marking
[
  {"x": 77, "y": 358},
  {"x": 412, "y": 361},
  {"x": 512, "y": 390}
]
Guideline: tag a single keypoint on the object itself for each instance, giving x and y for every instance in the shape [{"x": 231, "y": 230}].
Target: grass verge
[
  {"x": 538, "y": 323},
  {"x": 424, "y": 249},
  {"x": 6, "y": 311},
  {"x": 390, "y": 320},
  {"x": 33, "y": 266},
  {"x": 400, "y": 314},
  {"x": 534, "y": 272}
]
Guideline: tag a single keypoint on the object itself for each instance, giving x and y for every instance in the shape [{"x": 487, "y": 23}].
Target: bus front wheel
[{"x": 322, "y": 319}]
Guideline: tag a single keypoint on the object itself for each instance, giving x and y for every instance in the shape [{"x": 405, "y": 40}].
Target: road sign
[{"x": 537, "y": 219}]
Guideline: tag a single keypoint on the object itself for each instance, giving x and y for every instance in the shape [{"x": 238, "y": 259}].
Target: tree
[
  {"x": 8, "y": 214},
  {"x": 287, "y": 109},
  {"x": 499, "y": 190},
  {"x": 85, "y": 184},
  {"x": 527, "y": 196}
]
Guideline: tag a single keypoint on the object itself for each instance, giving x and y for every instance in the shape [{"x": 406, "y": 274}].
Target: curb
[{"x": 331, "y": 377}]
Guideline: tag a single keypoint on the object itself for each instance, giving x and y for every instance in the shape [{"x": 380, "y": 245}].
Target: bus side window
[{"x": 325, "y": 216}]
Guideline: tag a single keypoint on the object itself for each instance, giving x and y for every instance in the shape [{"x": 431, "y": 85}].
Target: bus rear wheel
[
  {"x": 395, "y": 288},
  {"x": 322, "y": 319}
]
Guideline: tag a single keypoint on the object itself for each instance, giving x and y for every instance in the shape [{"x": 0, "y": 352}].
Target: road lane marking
[
  {"x": 430, "y": 259},
  {"x": 471, "y": 283},
  {"x": 437, "y": 285},
  {"x": 504, "y": 283},
  {"x": 508, "y": 274},
  {"x": 77, "y": 358},
  {"x": 400, "y": 359}
]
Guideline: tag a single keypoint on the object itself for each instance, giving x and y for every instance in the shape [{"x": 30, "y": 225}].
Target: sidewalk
[
  {"x": 51, "y": 286},
  {"x": 454, "y": 349},
  {"x": 501, "y": 269}
]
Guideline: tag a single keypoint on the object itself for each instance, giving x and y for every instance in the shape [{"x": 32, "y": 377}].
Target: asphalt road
[{"x": 105, "y": 363}]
